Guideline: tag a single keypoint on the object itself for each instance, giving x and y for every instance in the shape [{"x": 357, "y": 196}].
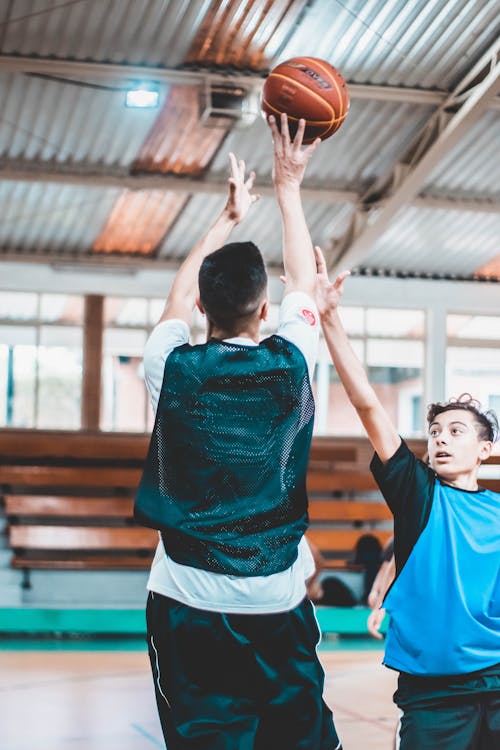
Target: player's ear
[
  {"x": 264, "y": 310},
  {"x": 485, "y": 448},
  {"x": 199, "y": 305}
]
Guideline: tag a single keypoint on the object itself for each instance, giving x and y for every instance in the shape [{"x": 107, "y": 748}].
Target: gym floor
[{"x": 94, "y": 698}]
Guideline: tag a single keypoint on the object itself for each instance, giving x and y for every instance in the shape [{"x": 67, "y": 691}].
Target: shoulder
[
  {"x": 299, "y": 324},
  {"x": 164, "y": 338},
  {"x": 404, "y": 479},
  {"x": 299, "y": 307},
  {"x": 402, "y": 460}
]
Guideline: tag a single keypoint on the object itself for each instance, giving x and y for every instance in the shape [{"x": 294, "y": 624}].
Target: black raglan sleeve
[{"x": 407, "y": 485}]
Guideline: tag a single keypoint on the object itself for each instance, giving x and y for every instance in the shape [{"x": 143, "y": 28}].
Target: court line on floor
[
  {"x": 381, "y": 723},
  {"x": 148, "y": 736}
]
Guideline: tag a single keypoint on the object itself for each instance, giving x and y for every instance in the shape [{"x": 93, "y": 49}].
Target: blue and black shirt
[{"x": 445, "y": 602}]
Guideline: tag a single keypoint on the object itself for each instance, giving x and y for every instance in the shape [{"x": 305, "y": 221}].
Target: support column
[
  {"x": 435, "y": 356},
  {"x": 92, "y": 362}
]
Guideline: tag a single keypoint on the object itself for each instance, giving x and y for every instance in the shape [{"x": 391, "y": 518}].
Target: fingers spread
[
  {"x": 234, "y": 164},
  {"x": 285, "y": 132},
  {"x": 312, "y": 147},
  {"x": 250, "y": 181},
  {"x": 274, "y": 128},
  {"x": 320, "y": 260},
  {"x": 340, "y": 279},
  {"x": 299, "y": 135}
]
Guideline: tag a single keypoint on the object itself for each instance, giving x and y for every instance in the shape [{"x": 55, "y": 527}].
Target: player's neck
[
  {"x": 252, "y": 333},
  {"x": 462, "y": 481}
]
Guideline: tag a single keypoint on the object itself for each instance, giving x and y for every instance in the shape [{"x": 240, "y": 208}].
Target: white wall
[{"x": 92, "y": 278}]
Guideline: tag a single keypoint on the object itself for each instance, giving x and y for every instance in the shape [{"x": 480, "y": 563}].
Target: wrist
[
  {"x": 287, "y": 190},
  {"x": 330, "y": 316},
  {"x": 227, "y": 218}
]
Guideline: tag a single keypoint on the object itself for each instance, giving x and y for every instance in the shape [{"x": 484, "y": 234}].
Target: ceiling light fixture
[{"x": 143, "y": 96}]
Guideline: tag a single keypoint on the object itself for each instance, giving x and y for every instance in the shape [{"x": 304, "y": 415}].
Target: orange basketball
[{"x": 308, "y": 88}]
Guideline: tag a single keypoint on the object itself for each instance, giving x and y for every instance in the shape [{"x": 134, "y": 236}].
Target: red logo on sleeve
[{"x": 309, "y": 317}]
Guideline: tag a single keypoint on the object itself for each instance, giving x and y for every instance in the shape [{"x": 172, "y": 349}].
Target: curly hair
[{"x": 486, "y": 421}]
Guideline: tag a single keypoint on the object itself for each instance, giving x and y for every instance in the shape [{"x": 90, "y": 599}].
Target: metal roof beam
[
  {"x": 41, "y": 172},
  {"x": 92, "y": 71},
  {"x": 26, "y": 171},
  {"x": 457, "y": 203},
  {"x": 376, "y": 209}
]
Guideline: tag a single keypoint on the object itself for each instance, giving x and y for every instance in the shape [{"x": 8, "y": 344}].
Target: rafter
[
  {"x": 39, "y": 172},
  {"x": 400, "y": 187},
  {"x": 100, "y": 72},
  {"x": 31, "y": 171}
]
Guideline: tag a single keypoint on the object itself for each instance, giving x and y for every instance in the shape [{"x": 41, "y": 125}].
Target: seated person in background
[
  {"x": 368, "y": 555},
  {"x": 444, "y": 605}
]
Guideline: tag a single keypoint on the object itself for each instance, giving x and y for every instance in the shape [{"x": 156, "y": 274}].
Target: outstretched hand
[
  {"x": 328, "y": 295},
  {"x": 240, "y": 191},
  {"x": 290, "y": 159}
]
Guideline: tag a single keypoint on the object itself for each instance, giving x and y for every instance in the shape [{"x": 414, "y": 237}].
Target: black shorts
[
  {"x": 449, "y": 713},
  {"x": 238, "y": 682}
]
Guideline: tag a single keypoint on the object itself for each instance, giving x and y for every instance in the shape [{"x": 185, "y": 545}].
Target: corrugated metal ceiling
[
  {"x": 152, "y": 32},
  {"x": 263, "y": 225},
  {"x": 139, "y": 221},
  {"x": 54, "y": 220},
  {"x": 436, "y": 241},
  {"x": 53, "y": 121},
  {"x": 473, "y": 166},
  {"x": 62, "y": 131},
  {"x": 178, "y": 143},
  {"x": 363, "y": 149}
]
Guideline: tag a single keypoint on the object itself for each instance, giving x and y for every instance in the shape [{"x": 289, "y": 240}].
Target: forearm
[
  {"x": 298, "y": 255},
  {"x": 185, "y": 286},
  {"x": 381, "y": 432},
  {"x": 350, "y": 370}
]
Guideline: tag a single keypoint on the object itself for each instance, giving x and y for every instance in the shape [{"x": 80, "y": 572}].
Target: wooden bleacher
[{"x": 68, "y": 499}]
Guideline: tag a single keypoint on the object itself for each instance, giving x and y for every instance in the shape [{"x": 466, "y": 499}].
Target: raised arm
[
  {"x": 182, "y": 296},
  {"x": 290, "y": 161},
  {"x": 380, "y": 430}
]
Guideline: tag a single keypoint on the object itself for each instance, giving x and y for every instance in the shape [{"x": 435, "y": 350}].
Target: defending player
[{"x": 444, "y": 631}]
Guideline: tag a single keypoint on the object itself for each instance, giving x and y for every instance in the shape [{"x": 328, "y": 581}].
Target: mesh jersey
[{"x": 224, "y": 480}]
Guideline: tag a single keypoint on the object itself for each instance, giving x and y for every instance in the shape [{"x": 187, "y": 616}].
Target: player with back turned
[
  {"x": 444, "y": 605},
  {"x": 232, "y": 636}
]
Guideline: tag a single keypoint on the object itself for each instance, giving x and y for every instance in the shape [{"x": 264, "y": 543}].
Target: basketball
[{"x": 307, "y": 88}]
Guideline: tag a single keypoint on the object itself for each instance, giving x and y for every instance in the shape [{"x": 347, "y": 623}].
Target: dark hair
[
  {"x": 486, "y": 421},
  {"x": 232, "y": 282}
]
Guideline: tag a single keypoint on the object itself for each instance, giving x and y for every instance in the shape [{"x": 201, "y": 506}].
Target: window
[
  {"x": 128, "y": 321},
  {"x": 59, "y": 377},
  {"x": 40, "y": 360},
  {"x": 473, "y": 356},
  {"x": 390, "y": 344},
  {"x": 494, "y": 403}
]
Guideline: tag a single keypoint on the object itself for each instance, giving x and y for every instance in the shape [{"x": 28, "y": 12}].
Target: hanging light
[{"x": 143, "y": 95}]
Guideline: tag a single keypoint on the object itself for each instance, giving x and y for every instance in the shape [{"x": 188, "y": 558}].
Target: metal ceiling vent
[{"x": 226, "y": 105}]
